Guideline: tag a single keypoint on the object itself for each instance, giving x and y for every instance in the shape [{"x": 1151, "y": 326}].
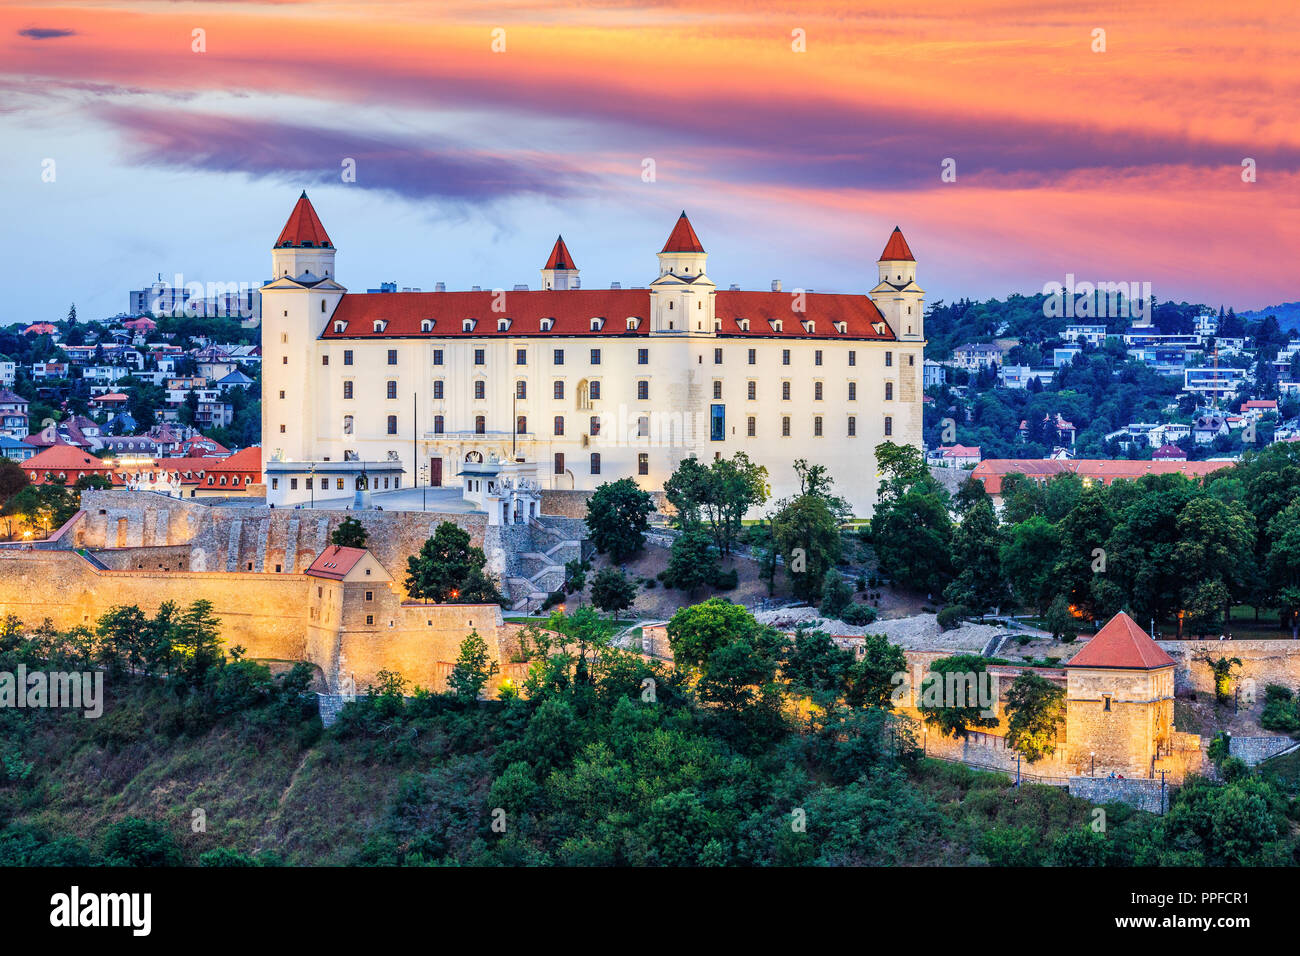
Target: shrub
[
  {"x": 952, "y": 616},
  {"x": 726, "y": 580},
  {"x": 858, "y": 614}
]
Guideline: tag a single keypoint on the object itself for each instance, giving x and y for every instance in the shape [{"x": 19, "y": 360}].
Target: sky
[{"x": 139, "y": 138}]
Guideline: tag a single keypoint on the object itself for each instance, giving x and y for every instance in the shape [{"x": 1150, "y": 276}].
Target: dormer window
[
  {"x": 879, "y": 327},
  {"x": 597, "y": 324},
  {"x": 380, "y": 325},
  {"x": 633, "y": 323},
  {"x": 426, "y": 325},
  {"x": 340, "y": 326},
  {"x": 744, "y": 324},
  {"x": 503, "y": 325},
  {"x": 468, "y": 325},
  {"x": 717, "y": 325},
  {"x": 777, "y": 324},
  {"x": 809, "y": 326},
  {"x": 842, "y": 328},
  {"x": 547, "y": 324}
]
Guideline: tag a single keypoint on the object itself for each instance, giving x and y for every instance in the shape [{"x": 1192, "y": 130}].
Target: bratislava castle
[{"x": 586, "y": 385}]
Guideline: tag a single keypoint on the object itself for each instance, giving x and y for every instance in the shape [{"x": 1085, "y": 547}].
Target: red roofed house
[
  {"x": 1119, "y": 712},
  {"x": 233, "y": 475},
  {"x": 39, "y": 328},
  {"x": 958, "y": 456},
  {"x": 66, "y": 462},
  {"x": 992, "y": 471},
  {"x": 587, "y": 384},
  {"x": 1169, "y": 453}
]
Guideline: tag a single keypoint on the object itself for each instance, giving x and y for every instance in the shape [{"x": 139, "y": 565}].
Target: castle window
[
  {"x": 643, "y": 390},
  {"x": 595, "y": 356},
  {"x": 558, "y": 390},
  {"x": 347, "y": 356},
  {"x": 785, "y": 391},
  {"x": 521, "y": 389},
  {"x": 437, "y": 356},
  {"x": 753, "y": 356},
  {"x": 785, "y": 426},
  {"x": 595, "y": 463},
  {"x": 392, "y": 424},
  {"x": 817, "y": 357},
  {"x": 594, "y": 390},
  {"x": 480, "y": 425},
  {"x": 438, "y": 387},
  {"x": 751, "y": 426},
  {"x": 521, "y": 356},
  {"x": 322, "y": 305},
  {"x": 480, "y": 389},
  {"x": 817, "y": 391},
  {"x": 889, "y": 425},
  {"x": 642, "y": 356},
  {"x": 751, "y": 390},
  {"x": 324, "y": 360},
  {"x": 889, "y": 359},
  {"x": 817, "y": 426},
  {"x": 480, "y": 357},
  {"x": 426, "y": 325},
  {"x": 643, "y": 464},
  {"x": 521, "y": 425},
  {"x": 559, "y": 424},
  {"x": 380, "y": 324},
  {"x": 717, "y": 356},
  {"x": 1105, "y": 702},
  {"x": 347, "y": 424},
  {"x": 391, "y": 389},
  {"x": 437, "y": 424},
  {"x": 853, "y": 391},
  {"x": 643, "y": 426},
  {"x": 853, "y": 426},
  {"x": 559, "y": 462},
  {"x": 717, "y": 389},
  {"x": 593, "y": 426},
  {"x": 785, "y": 356},
  {"x": 370, "y": 619},
  {"x": 889, "y": 391},
  {"x": 853, "y": 357},
  {"x": 557, "y": 357}
]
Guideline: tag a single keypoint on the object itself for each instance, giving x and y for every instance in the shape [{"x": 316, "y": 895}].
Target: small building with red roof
[
  {"x": 65, "y": 462},
  {"x": 1120, "y": 702},
  {"x": 233, "y": 475},
  {"x": 1169, "y": 453}
]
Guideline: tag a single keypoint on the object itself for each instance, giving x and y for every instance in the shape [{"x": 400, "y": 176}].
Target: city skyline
[{"x": 1122, "y": 165}]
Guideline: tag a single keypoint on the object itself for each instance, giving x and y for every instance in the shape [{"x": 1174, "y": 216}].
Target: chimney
[
  {"x": 440, "y": 287},
  {"x": 521, "y": 287},
  {"x": 616, "y": 285},
  {"x": 475, "y": 288},
  {"x": 734, "y": 287},
  {"x": 776, "y": 285}
]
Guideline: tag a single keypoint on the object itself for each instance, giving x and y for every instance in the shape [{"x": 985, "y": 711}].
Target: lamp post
[
  {"x": 1093, "y": 772},
  {"x": 311, "y": 483}
]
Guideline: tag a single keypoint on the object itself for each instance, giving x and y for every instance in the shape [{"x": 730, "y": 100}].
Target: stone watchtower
[{"x": 1119, "y": 701}]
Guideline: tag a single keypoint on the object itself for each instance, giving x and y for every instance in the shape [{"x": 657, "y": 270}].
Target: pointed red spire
[
  {"x": 683, "y": 237},
  {"x": 896, "y": 249},
  {"x": 560, "y": 258},
  {"x": 304, "y": 229}
]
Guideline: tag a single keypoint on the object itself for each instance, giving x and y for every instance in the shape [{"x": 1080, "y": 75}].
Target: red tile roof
[
  {"x": 1121, "y": 643},
  {"x": 991, "y": 471},
  {"x": 683, "y": 237},
  {"x": 560, "y": 258},
  {"x": 64, "y": 458},
  {"x": 896, "y": 249},
  {"x": 304, "y": 229},
  {"x": 1169, "y": 452},
  {"x": 247, "y": 459},
  {"x": 335, "y": 562},
  {"x": 573, "y": 310}
]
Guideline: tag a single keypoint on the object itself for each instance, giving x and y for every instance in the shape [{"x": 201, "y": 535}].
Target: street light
[
  {"x": 1093, "y": 772},
  {"x": 311, "y": 484}
]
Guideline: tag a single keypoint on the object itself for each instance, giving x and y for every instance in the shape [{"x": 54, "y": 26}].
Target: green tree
[
  {"x": 1060, "y": 621},
  {"x": 1034, "y": 708},
  {"x": 950, "y": 695},
  {"x": 449, "y": 570},
  {"x": 976, "y": 551},
  {"x": 351, "y": 533},
  {"x": 807, "y": 532},
  {"x": 872, "y": 679},
  {"x": 473, "y": 669},
  {"x": 1027, "y": 557},
  {"x": 718, "y": 495},
  {"x": 692, "y": 563},
  {"x": 837, "y": 594},
  {"x": 617, "y": 518},
  {"x": 612, "y": 591},
  {"x": 912, "y": 537},
  {"x": 695, "y": 632}
]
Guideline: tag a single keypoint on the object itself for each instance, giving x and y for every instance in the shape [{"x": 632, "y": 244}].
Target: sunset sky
[{"x": 1122, "y": 165}]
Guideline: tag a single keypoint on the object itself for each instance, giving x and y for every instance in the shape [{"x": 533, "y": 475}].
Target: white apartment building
[{"x": 590, "y": 385}]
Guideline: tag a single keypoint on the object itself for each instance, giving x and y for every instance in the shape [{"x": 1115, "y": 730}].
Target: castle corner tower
[
  {"x": 560, "y": 272},
  {"x": 683, "y": 295},
  {"x": 900, "y": 300}
]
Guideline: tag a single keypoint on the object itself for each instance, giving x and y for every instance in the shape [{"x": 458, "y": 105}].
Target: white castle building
[{"x": 587, "y": 385}]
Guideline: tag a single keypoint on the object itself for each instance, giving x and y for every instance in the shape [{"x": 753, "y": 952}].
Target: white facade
[{"x": 604, "y": 385}]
